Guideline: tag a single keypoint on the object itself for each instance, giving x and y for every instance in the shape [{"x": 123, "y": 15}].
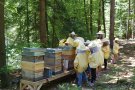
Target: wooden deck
[{"x": 38, "y": 84}]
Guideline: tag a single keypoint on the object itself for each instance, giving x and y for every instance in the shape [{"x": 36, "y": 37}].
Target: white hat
[
  {"x": 87, "y": 42},
  {"x": 92, "y": 45},
  {"x": 73, "y": 33},
  {"x": 100, "y": 32},
  {"x": 116, "y": 39}
]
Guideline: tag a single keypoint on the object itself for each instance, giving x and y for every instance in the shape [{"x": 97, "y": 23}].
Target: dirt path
[{"x": 120, "y": 76}]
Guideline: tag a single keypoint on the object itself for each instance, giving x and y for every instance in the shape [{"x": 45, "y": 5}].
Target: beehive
[
  {"x": 55, "y": 69},
  {"x": 56, "y": 55},
  {"x": 53, "y": 59},
  {"x": 32, "y": 75},
  {"x": 33, "y": 63},
  {"x": 32, "y": 58},
  {"x": 53, "y": 62},
  {"x": 32, "y": 66},
  {"x": 68, "y": 54}
]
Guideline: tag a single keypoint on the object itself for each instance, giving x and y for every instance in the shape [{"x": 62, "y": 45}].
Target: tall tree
[
  {"x": 112, "y": 23},
  {"x": 133, "y": 20},
  {"x": 91, "y": 16},
  {"x": 2, "y": 44},
  {"x": 85, "y": 14},
  {"x": 43, "y": 27},
  {"x": 128, "y": 23},
  {"x": 99, "y": 16},
  {"x": 103, "y": 12},
  {"x": 27, "y": 18}
]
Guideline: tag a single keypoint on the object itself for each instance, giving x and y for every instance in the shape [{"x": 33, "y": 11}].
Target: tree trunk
[
  {"x": 91, "y": 16},
  {"x": 128, "y": 23},
  {"x": 85, "y": 14},
  {"x": 2, "y": 45},
  {"x": 99, "y": 16},
  {"x": 54, "y": 22},
  {"x": 103, "y": 11},
  {"x": 27, "y": 18},
  {"x": 112, "y": 14},
  {"x": 43, "y": 31},
  {"x": 46, "y": 19},
  {"x": 134, "y": 20}
]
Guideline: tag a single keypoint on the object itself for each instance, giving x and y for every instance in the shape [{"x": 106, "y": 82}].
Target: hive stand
[{"x": 38, "y": 84}]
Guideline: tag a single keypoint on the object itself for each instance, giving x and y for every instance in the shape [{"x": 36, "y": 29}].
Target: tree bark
[
  {"x": 112, "y": 23},
  {"x": 91, "y": 16},
  {"x": 54, "y": 22},
  {"x": 99, "y": 16},
  {"x": 46, "y": 23},
  {"x": 134, "y": 20},
  {"x": 27, "y": 18},
  {"x": 103, "y": 11},
  {"x": 43, "y": 27},
  {"x": 3, "y": 76},
  {"x": 85, "y": 14},
  {"x": 128, "y": 23}
]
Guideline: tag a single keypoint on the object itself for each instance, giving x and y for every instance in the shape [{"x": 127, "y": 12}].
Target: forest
[{"x": 43, "y": 23}]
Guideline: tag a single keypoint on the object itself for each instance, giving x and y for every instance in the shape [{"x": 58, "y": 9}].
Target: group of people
[{"x": 91, "y": 56}]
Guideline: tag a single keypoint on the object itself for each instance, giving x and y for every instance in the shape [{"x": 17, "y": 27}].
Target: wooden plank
[
  {"x": 49, "y": 79},
  {"x": 68, "y": 52},
  {"x": 32, "y": 58},
  {"x": 54, "y": 55},
  {"x": 33, "y": 53},
  {"x": 52, "y": 62},
  {"x": 32, "y": 66},
  {"x": 38, "y": 84},
  {"x": 53, "y": 50},
  {"x": 34, "y": 49},
  {"x": 32, "y": 75}
]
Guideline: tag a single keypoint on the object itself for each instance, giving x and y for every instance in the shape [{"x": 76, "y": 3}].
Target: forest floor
[{"x": 119, "y": 76}]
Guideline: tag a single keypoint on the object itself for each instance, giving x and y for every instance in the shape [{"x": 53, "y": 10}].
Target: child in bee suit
[
  {"x": 81, "y": 62},
  {"x": 106, "y": 51},
  {"x": 115, "y": 49},
  {"x": 93, "y": 61}
]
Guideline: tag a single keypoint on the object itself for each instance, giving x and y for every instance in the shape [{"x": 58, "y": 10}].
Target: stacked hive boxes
[
  {"x": 53, "y": 60},
  {"x": 32, "y": 63},
  {"x": 68, "y": 55}
]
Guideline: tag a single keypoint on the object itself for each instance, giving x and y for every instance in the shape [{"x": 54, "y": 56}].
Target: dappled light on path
[{"x": 120, "y": 76}]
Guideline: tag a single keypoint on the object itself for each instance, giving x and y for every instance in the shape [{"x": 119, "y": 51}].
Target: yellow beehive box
[
  {"x": 68, "y": 52},
  {"x": 32, "y": 66}
]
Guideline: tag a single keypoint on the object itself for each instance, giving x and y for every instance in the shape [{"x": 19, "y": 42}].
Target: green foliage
[
  {"x": 68, "y": 86},
  {"x": 63, "y": 17},
  {"x": 6, "y": 69}
]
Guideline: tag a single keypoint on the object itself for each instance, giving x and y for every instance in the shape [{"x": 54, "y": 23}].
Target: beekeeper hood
[
  {"x": 73, "y": 33},
  {"x": 116, "y": 39},
  {"x": 93, "y": 47},
  {"x": 100, "y": 32}
]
